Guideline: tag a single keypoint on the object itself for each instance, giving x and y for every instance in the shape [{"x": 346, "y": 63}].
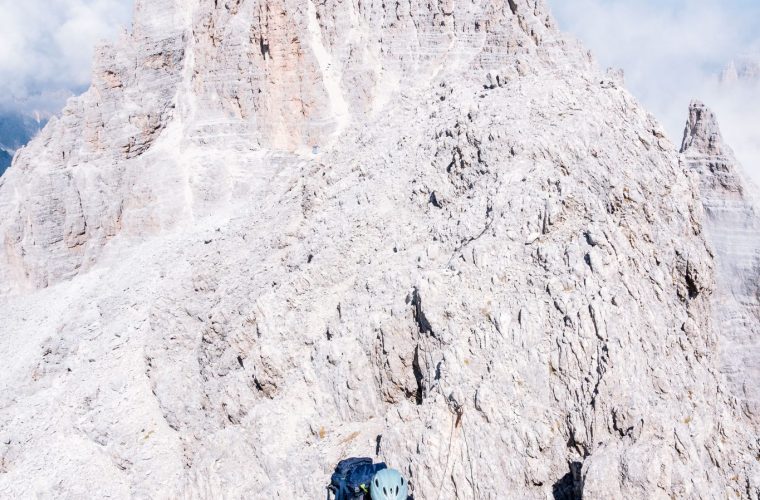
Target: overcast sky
[
  {"x": 46, "y": 47},
  {"x": 671, "y": 51}
]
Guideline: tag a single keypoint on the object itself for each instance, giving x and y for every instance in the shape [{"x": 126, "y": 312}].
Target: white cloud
[
  {"x": 46, "y": 47},
  {"x": 673, "y": 51}
]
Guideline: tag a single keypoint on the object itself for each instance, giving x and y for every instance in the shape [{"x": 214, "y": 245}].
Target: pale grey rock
[
  {"x": 276, "y": 234},
  {"x": 732, "y": 222}
]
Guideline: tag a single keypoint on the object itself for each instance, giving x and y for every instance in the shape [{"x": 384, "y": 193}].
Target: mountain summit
[{"x": 274, "y": 234}]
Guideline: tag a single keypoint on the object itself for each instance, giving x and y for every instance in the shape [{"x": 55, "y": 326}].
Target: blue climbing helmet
[{"x": 388, "y": 484}]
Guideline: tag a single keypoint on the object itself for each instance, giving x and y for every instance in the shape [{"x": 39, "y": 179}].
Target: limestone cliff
[
  {"x": 277, "y": 233},
  {"x": 732, "y": 223}
]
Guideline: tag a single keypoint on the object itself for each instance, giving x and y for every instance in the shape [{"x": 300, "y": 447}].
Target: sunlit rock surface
[{"x": 276, "y": 234}]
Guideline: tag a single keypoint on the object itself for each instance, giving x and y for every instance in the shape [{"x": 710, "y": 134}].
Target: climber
[{"x": 360, "y": 479}]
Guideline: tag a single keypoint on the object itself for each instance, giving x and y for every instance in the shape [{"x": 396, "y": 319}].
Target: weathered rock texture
[
  {"x": 732, "y": 222},
  {"x": 275, "y": 234}
]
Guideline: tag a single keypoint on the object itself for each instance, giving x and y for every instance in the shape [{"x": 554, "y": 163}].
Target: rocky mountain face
[
  {"x": 732, "y": 223},
  {"x": 274, "y": 234}
]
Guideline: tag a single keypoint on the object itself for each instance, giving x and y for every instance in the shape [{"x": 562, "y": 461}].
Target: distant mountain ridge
[
  {"x": 5, "y": 160},
  {"x": 745, "y": 68},
  {"x": 16, "y": 130}
]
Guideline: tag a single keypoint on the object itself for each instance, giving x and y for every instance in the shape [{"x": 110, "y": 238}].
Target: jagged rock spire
[
  {"x": 702, "y": 133},
  {"x": 708, "y": 155},
  {"x": 732, "y": 227}
]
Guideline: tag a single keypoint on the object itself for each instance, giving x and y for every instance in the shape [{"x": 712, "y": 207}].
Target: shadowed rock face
[
  {"x": 732, "y": 223},
  {"x": 16, "y": 130},
  {"x": 5, "y": 160},
  {"x": 276, "y": 234}
]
